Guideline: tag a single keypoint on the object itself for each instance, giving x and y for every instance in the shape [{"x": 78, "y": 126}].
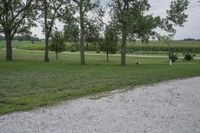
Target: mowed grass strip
[{"x": 28, "y": 82}]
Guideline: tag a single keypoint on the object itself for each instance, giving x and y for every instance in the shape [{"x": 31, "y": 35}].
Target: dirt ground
[{"x": 168, "y": 107}]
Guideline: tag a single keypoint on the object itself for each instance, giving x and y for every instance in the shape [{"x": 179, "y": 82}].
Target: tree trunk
[
  {"x": 123, "y": 47},
  {"x": 8, "y": 47},
  {"x": 46, "y": 53},
  {"x": 107, "y": 56},
  {"x": 82, "y": 49},
  {"x": 82, "y": 54},
  {"x": 56, "y": 55}
]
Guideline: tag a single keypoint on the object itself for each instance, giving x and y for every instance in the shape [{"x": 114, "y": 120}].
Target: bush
[
  {"x": 72, "y": 50},
  {"x": 173, "y": 57},
  {"x": 57, "y": 43},
  {"x": 188, "y": 56}
]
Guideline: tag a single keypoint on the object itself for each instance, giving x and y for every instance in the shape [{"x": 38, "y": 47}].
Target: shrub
[
  {"x": 72, "y": 50},
  {"x": 188, "y": 56},
  {"x": 57, "y": 43},
  {"x": 173, "y": 57}
]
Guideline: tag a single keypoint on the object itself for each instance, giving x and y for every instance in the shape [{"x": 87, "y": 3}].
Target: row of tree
[
  {"x": 83, "y": 21},
  {"x": 191, "y": 39},
  {"x": 22, "y": 38}
]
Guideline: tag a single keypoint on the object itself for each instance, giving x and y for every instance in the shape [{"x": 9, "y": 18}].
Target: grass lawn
[{"x": 27, "y": 82}]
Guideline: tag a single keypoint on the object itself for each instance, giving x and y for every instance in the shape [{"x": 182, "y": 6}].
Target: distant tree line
[
  {"x": 22, "y": 38},
  {"x": 191, "y": 39}
]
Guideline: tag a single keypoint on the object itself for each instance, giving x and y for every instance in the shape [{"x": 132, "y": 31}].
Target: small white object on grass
[{"x": 138, "y": 63}]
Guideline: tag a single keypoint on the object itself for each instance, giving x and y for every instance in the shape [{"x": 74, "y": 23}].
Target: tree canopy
[
  {"x": 133, "y": 22},
  {"x": 57, "y": 43},
  {"x": 16, "y": 16},
  {"x": 110, "y": 41},
  {"x": 89, "y": 12}
]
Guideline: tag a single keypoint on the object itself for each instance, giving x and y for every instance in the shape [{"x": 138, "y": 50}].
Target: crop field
[
  {"x": 138, "y": 46},
  {"x": 171, "y": 44}
]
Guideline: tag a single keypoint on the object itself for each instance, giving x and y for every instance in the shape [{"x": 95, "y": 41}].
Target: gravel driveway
[{"x": 169, "y": 107}]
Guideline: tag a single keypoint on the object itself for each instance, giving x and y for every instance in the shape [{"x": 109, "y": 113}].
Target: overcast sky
[{"x": 159, "y": 7}]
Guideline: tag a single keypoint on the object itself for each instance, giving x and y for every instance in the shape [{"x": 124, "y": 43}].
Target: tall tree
[
  {"x": 129, "y": 15},
  {"x": 71, "y": 32},
  {"x": 57, "y": 43},
  {"x": 85, "y": 8},
  {"x": 92, "y": 32},
  {"x": 176, "y": 16},
  {"x": 131, "y": 21},
  {"x": 50, "y": 12},
  {"x": 16, "y": 16},
  {"x": 109, "y": 45}
]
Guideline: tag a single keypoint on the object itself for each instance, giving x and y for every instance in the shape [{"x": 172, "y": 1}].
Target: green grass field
[
  {"x": 21, "y": 44},
  {"x": 28, "y": 82}
]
